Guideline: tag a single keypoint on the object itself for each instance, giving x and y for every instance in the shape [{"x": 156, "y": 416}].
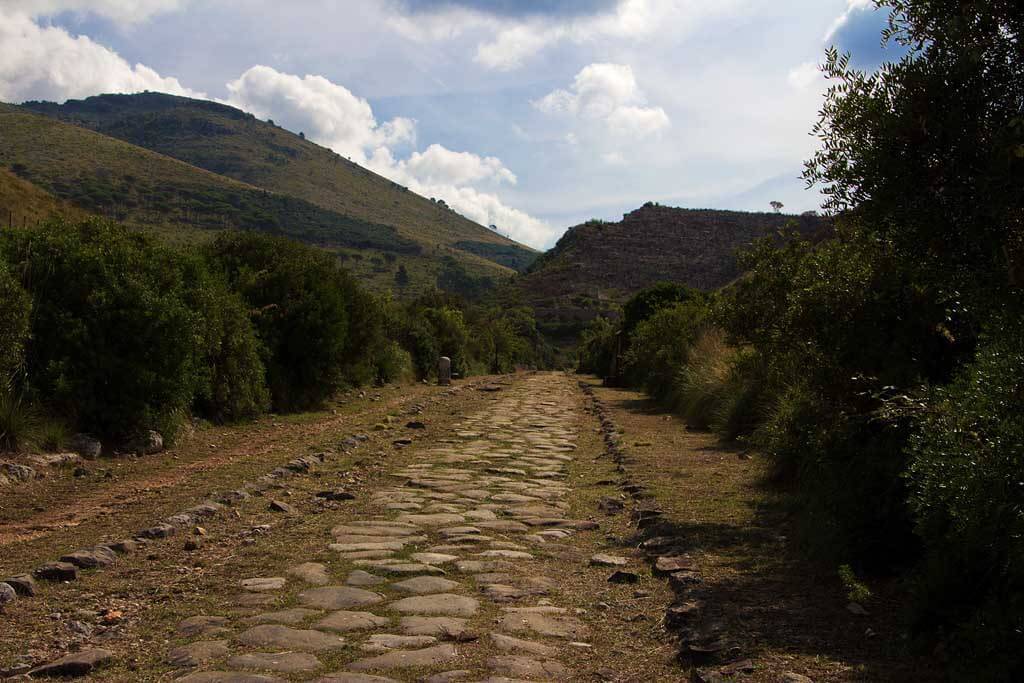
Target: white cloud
[
  {"x": 517, "y": 40},
  {"x": 851, "y": 7},
  {"x": 333, "y": 116},
  {"x": 47, "y": 62},
  {"x": 438, "y": 165},
  {"x": 607, "y": 93},
  {"x": 805, "y": 75},
  {"x": 325, "y": 111},
  {"x": 124, "y": 11}
]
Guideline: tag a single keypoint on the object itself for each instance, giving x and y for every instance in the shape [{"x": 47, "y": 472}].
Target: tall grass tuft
[{"x": 19, "y": 421}]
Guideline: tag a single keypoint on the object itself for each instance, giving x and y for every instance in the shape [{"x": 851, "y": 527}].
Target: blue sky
[{"x": 533, "y": 115}]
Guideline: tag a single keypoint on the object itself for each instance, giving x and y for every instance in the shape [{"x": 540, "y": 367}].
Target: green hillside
[{"x": 232, "y": 143}]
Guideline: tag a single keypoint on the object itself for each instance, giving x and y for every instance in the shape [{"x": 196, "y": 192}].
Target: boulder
[
  {"x": 86, "y": 446},
  {"x": 23, "y": 584},
  {"x": 57, "y": 571},
  {"x": 7, "y": 594},
  {"x": 147, "y": 444}
]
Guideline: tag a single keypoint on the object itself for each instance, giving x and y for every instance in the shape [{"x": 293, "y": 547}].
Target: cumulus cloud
[
  {"x": 609, "y": 94},
  {"x": 333, "y": 116},
  {"x": 327, "y": 112},
  {"x": 852, "y": 8},
  {"x": 123, "y": 11},
  {"x": 48, "y": 63}
]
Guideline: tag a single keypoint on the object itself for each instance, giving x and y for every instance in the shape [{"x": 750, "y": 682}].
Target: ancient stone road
[{"x": 441, "y": 581}]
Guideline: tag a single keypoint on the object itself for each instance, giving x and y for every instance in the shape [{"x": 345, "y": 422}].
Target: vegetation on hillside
[
  {"x": 595, "y": 267},
  {"x": 882, "y": 370},
  {"x": 107, "y": 331},
  {"x": 232, "y": 143}
]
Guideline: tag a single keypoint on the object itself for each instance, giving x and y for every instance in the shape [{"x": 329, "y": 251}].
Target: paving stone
[
  {"x": 370, "y": 545},
  {"x": 197, "y": 653},
  {"x": 380, "y": 530},
  {"x": 254, "y": 599},
  {"x": 434, "y": 558},
  {"x": 447, "y": 604},
  {"x": 358, "y": 577},
  {"x": 425, "y": 584},
  {"x": 507, "y": 554},
  {"x": 228, "y": 677},
  {"x": 273, "y": 635},
  {"x": 521, "y": 666},
  {"x": 203, "y": 625},
  {"x": 346, "y": 677},
  {"x": 439, "y": 519},
  {"x": 290, "y": 617},
  {"x": 284, "y": 662},
  {"x": 546, "y": 621},
  {"x": 311, "y": 572},
  {"x": 264, "y": 584},
  {"x": 448, "y": 676},
  {"x": 384, "y": 642},
  {"x": 441, "y": 627},
  {"x": 408, "y": 659},
  {"x": 344, "y": 621},
  {"x": 603, "y": 560},
  {"x": 510, "y": 644},
  {"x": 338, "y": 597},
  {"x": 410, "y": 568},
  {"x": 75, "y": 664}
]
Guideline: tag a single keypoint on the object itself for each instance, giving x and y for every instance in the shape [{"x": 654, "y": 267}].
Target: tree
[
  {"x": 402, "y": 277},
  {"x": 777, "y": 206}
]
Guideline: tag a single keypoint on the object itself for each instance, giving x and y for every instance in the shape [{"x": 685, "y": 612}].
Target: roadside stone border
[{"x": 703, "y": 640}]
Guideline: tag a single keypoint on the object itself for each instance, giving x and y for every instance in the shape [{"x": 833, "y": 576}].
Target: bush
[
  {"x": 299, "y": 301},
  {"x": 231, "y": 382},
  {"x": 393, "y": 363},
  {"x": 966, "y": 454},
  {"x": 14, "y": 317},
  {"x": 660, "y": 345},
  {"x": 113, "y": 337},
  {"x": 19, "y": 421}
]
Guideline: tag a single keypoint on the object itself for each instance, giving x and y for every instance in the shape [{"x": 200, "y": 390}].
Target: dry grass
[{"x": 783, "y": 615}]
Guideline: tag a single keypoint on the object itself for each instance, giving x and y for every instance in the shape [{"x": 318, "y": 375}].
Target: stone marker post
[{"x": 444, "y": 371}]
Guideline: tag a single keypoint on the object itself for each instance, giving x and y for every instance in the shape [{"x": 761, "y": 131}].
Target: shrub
[
  {"x": 965, "y": 474},
  {"x": 113, "y": 338},
  {"x": 231, "y": 383},
  {"x": 14, "y": 317},
  {"x": 699, "y": 385},
  {"x": 392, "y": 363},
  {"x": 660, "y": 345},
  {"x": 19, "y": 421},
  {"x": 299, "y": 303}
]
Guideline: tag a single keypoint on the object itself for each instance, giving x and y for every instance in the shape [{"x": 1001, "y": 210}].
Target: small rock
[
  {"x": 86, "y": 446},
  {"x": 199, "y": 531},
  {"x": 790, "y": 677},
  {"x": 668, "y": 564},
  {"x": 415, "y": 424},
  {"x": 402, "y": 442},
  {"x": 857, "y": 609},
  {"x": 77, "y": 664},
  {"x": 7, "y": 594},
  {"x": 624, "y": 577},
  {"x": 57, "y": 571},
  {"x": 280, "y": 506},
  {"x": 602, "y": 560},
  {"x": 336, "y": 494},
  {"x": 149, "y": 443},
  {"x": 610, "y": 505},
  {"x": 23, "y": 585},
  {"x": 191, "y": 545}
]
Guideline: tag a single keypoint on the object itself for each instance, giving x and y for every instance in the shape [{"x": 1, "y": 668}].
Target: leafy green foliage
[
  {"x": 300, "y": 306},
  {"x": 14, "y": 318},
  {"x": 965, "y": 474}
]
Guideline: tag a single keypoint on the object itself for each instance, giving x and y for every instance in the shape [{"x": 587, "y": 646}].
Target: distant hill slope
[
  {"x": 232, "y": 143},
  {"x": 598, "y": 266},
  {"x": 22, "y": 203}
]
